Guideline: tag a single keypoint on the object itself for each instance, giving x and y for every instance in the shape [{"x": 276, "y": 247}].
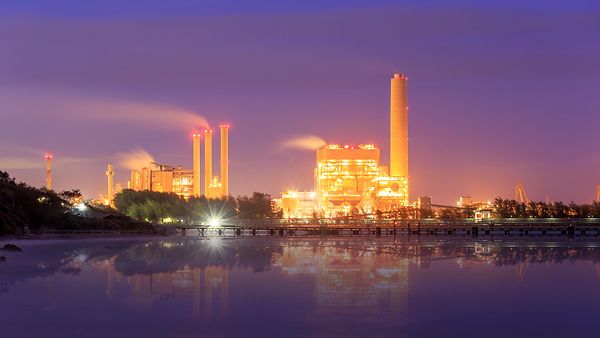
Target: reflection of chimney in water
[{"x": 216, "y": 287}]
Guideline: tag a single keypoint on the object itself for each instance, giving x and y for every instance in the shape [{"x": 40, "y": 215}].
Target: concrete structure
[
  {"x": 224, "y": 159},
  {"x": 48, "y": 158},
  {"x": 163, "y": 178},
  {"x": 344, "y": 175},
  {"x": 110, "y": 194},
  {"x": 424, "y": 203},
  {"x": 464, "y": 201},
  {"x": 483, "y": 214},
  {"x": 196, "y": 163},
  {"x": 398, "y": 127},
  {"x": 215, "y": 188},
  {"x": 298, "y": 204},
  {"x": 389, "y": 193},
  {"x": 207, "y": 161},
  {"x": 173, "y": 180}
]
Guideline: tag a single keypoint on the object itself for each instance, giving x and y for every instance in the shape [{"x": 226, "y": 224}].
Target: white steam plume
[
  {"x": 135, "y": 159},
  {"x": 304, "y": 142},
  {"x": 150, "y": 115},
  {"x": 106, "y": 110}
]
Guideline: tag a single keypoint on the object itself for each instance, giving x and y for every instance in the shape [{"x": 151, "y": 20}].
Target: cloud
[
  {"x": 135, "y": 159},
  {"x": 303, "y": 142}
]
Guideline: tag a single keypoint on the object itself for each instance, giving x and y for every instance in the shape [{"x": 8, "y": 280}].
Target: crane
[{"x": 520, "y": 194}]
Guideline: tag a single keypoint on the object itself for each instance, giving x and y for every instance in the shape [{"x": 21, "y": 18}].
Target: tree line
[
  {"x": 25, "y": 208},
  {"x": 160, "y": 207},
  {"x": 511, "y": 208}
]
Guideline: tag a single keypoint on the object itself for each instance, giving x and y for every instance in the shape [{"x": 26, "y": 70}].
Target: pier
[{"x": 405, "y": 229}]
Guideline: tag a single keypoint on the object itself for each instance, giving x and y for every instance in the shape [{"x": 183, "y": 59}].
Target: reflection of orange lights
[{"x": 349, "y": 280}]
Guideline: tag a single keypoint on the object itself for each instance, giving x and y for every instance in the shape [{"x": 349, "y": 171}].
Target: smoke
[
  {"x": 11, "y": 163},
  {"x": 104, "y": 110},
  {"x": 304, "y": 142},
  {"x": 135, "y": 159},
  {"x": 136, "y": 113}
]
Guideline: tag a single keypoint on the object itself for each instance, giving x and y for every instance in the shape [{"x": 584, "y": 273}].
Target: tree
[{"x": 257, "y": 206}]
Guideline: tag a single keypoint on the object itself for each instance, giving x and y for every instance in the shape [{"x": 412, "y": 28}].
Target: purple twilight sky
[{"x": 499, "y": 92}]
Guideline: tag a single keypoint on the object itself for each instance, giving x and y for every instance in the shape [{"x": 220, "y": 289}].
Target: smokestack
[
  {"x": 398, "y": 127},
  {"x": 207, "y": 161},
  {"x": 224, "y": 159},
  {"x": 48, "y": 158},
  {"x": 196, "y": 164},
  {"x": 110, "y": 193}
]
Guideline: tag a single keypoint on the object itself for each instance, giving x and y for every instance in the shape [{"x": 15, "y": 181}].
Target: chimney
[
  {"x": 48, "y": 158},
  {"x": 398, "y": 128},
  {"x": 207, "y": 161},
  {"x": 110, "y": 192},
  {"x": 224, "y": 159},
  {"x": 196, "y": 164}
]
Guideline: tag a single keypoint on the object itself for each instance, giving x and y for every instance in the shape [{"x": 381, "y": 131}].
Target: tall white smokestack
[
  {"x": 110, "y": 194},
  {"x": 196, "y": 163},
  {"x": 224, "y": 159},
  {"x": 398, "y": 127},
  {"x": 207, "y": 161}
]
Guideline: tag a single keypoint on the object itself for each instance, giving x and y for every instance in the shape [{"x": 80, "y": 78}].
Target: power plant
[
  {"x": 184, "y": 182},
  {"x": 48, "y": 158},
  {"x": 351, "y": 178}
]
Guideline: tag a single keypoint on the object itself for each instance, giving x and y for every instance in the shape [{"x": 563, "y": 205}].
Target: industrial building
[
  {"x": 298, "y": 204},
  {"x": 352, "y": 178},
  {"x": 184, "y": 182}
]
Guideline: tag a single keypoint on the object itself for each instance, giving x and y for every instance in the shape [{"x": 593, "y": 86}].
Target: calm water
[{"x": 327, "y": 287}]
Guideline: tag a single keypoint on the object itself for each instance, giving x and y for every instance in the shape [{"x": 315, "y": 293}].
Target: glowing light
[
  {"x": 214, "y": 223},
  {"x": 81, "y": 207}
]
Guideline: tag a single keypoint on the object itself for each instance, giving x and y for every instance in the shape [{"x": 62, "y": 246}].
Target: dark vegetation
[
  {"x": 512, "y": 208},
  {"x": 24, "y": 208},
  {"x": 160, "y": 207}
]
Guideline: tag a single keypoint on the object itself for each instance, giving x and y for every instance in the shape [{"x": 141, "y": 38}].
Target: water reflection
[
  {"x": 346, "y": 280},
  {"x": 370, "y": 279}
]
